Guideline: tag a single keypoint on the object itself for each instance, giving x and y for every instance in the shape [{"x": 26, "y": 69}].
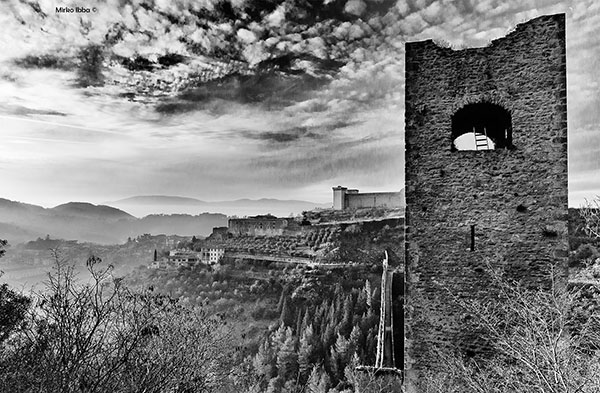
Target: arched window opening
[{"x": 481, "y": 126}]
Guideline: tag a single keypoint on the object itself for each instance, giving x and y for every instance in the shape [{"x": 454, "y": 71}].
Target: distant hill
[
  {"x": 84, "y": 209},
  {"x": 144, "y": 205},
  {"x": 21, "y": 222}
]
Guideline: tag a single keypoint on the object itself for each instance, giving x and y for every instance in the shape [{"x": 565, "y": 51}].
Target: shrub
[
  {"x": 99, "y": 336},
  {"x": 539, "y": 344}
]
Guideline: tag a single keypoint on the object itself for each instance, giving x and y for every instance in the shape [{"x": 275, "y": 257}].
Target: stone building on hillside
[
  {"x": 486, "y": 176},
  {"x": 344, "y": 198},
  {"x": 183, "y": 257},
  {"x": 262, "y": 225}
]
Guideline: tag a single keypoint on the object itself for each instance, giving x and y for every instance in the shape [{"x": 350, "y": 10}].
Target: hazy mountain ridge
[
  {"x": 144, "y": 205},
  {"x": 20, "y": 222},
  {"x": 85, "y": 209},
  {"x": 168, "y": 199}
]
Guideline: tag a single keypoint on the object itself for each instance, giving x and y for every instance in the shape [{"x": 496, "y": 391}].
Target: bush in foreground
[
  {"x": 101, "y": 337},
  {"x": 541, "y": 342}
]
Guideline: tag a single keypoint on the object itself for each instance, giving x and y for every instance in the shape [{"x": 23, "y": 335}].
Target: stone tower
[{"x": 486, "y": 175}]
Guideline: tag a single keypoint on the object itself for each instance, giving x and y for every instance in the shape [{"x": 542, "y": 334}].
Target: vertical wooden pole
[{"x": 473, "y": 237}]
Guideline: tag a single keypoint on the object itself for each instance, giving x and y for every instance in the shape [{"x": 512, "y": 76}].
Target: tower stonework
[{"x": 504, "y": 206}]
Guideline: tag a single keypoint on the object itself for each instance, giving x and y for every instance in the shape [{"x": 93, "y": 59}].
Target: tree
[
  {"x": 287, "y": 314},
  {"x": 99, "y": 336},
  {"x": 264, "y": 361},
  {"x": 13, "y": 305},
  {"x": 3, "y": 244},
  {"x": 318, "y": 381},
  {"x": 306, "y": 351},
  {"x": 287, "y": 358},
  {"x": 591, "y": 216},
  {"x": 540, "y": 344},
  {"x": 13, "y": 309}
]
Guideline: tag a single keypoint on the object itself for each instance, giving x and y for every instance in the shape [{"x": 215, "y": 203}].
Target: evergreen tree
[
  {"x": 275, "y": 385},
  {"x": 278, "y": 338},
  {"x": 287, "y": 314},
  {"x": 345, "y": 325},
  {"x": 312, "y": 386},
  {"x": 351, "y": 374},
  {"x": 331, "y": 319},
  {"x": 328, "y": 336},
  {"x": 306, "y": 352},
  {"x": 306, "y": 320},
  {"x": 264, "y": 360},
  {"x": 371, "y": 346},
  {"x": 282, "y": 299},
  {"x": 355, "y": 340},
  {"x": 287, "y": 358},
  {"x": 289, "y": 386},
  {"x": 324, "y": 383},
  {"x": 299, "y": 319},
  {"x": 318, "y": 381},
  {"x": 339, "y": 356}
]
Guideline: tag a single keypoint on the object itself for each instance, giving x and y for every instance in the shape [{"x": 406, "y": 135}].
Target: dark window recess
[{"x": 482, "y": 126}]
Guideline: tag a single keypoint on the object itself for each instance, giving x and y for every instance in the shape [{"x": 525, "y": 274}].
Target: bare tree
[
  {"x": 99, "y": 336},
  {"x": 590, "y": 212},
  {"x": 540, "y": 344}
]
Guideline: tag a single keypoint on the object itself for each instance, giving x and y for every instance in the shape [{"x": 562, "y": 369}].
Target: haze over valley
[
  {"x": 114, "y": 222},
  {"x": 141, "y": 206}
]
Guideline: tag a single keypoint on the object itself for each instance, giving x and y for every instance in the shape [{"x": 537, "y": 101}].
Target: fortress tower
[{"x": 486, "y": 175}]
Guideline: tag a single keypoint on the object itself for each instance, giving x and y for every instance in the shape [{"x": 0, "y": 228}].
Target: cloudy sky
[{"x": 242, "y": 99}]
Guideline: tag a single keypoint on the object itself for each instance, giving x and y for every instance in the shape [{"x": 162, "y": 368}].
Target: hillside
[
  {"x": 294, "y": 319},
  {"x": 88, "y": 210}
]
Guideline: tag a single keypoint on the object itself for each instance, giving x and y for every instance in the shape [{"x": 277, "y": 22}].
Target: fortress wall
[
  {"x": 375, "y": 199},
  {"x": 257, "y": 226}
]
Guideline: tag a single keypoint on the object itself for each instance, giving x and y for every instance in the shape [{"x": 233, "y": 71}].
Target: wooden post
[{"x": 473, "y": 237}]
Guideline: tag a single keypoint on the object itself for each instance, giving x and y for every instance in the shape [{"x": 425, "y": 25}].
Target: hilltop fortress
[
  {"x": 500, "y": 199},
  {"x": 344, "y": 198}
]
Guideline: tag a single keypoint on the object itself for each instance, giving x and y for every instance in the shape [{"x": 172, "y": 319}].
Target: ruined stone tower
[{"x": 486, "y": 174}]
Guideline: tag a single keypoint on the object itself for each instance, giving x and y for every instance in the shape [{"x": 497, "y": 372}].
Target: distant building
[
  {"x": 219, "y": 233},
  {"x": 183, "y": 257},
  {"x": 211, "y": 256},
  {"x": 344, "y": 198},
  {"x": 160, "y": 264},
  {"x": 262, "y": 225}
]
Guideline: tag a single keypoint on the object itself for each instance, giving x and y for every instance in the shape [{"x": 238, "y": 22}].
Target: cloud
[
  {"x": 241, "y": 97},
  {"x": 355, "y": 7}
]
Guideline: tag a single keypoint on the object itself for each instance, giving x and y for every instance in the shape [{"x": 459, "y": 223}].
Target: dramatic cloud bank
[{"x": 229, "y": 99}]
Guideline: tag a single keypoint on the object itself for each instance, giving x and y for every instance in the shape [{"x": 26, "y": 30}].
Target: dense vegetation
[
  {"x": 295, "y": 327},
  {"x": 243, "y": 325}
]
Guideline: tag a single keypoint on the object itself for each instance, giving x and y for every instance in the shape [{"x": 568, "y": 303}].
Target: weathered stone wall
[
  {"x": 516, "y": 198},
  {"x": 374, "y": 199},
  {"x": 257, "y": 226}
]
